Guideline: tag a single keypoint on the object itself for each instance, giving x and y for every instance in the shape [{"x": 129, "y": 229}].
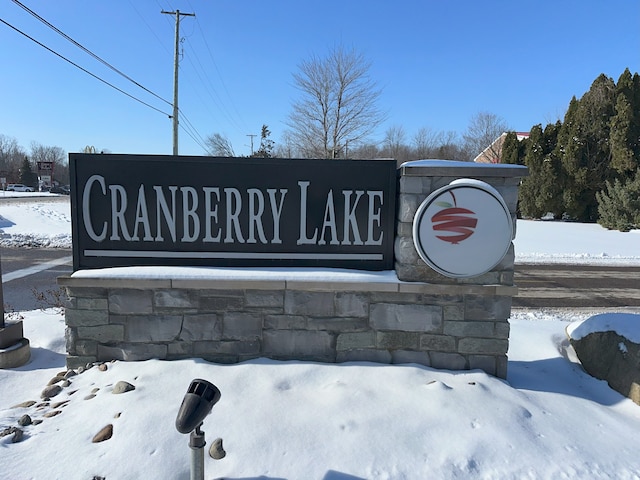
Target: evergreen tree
[
  {"x": 619, "y": 204},
  {"x": 529, "y": 189},
  {"x": 584, "y": 149},
  {"x": 625, "y": 126},
  {"x": 266, "y": 144},
  {"x": 27, "y": 176},
  {"x": 512, "y": 150},
  {"x": 552, "y": 175}
]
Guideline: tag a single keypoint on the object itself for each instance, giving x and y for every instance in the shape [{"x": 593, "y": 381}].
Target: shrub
[{"x": 619, "y": 204}]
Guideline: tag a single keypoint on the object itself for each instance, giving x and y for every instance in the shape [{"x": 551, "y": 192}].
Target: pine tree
[
  {"x": 529, "y": 189},
  {"x": 584, "y": 149},
  {"x": 27, "y": 176},
  {"x": 619, "y": 204},
  {"x": 541, "y": 190},
  {"x": 552, "y": 175},
  {"x": 625, "y": 126},
  {"x": 512, "y": 150},
  {"x": 266, "y": 144}
]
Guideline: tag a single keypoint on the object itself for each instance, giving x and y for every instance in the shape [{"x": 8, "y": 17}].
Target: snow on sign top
[{"x": 463, "y": 229}]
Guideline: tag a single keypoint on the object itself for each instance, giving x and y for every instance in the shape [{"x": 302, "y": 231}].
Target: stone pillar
[{"x": 420, "y": 178}]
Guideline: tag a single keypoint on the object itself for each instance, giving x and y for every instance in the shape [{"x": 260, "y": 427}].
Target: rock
[
  {"x": 24, "y": 420},
  {"x": 105, "y": 434},
  {"x": 122, "y": 387},
  {"x": 27, "y": 404},
  {"x": 52, "y": 413},
  {"x": 70, "y": 373},
  {"x": 59, "y": 404},
  {"x": 55, "y": 380},
  {"x": 613, "y": 358},
  {"x": 18, "y": 435},
  {"x": 65, "y": 383},
  {"x": 216, "y": 451},
  {"x": 102, "y": 367},
  {"x": 90, "y": 396},
  {"x": 51, "y": 391}
]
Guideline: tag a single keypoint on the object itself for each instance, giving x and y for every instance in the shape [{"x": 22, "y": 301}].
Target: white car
[{"x": 18, "y": 187}]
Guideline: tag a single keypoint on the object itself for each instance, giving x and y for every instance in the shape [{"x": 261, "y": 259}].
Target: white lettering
[
  {"x": 256, "y": 209},
  {"x": 303, "y": 239},
  {"x": 211, "y": 213},
  {"x": 118, "y": 209},
  {"x": 142, "y": 217},
  {"x": 168, "y": 214},
  {"x": 233, "y": 197},
  {"x": 374, "y": 216},
  {"x": 350, "y": 222},
  {"x": 189, "y": 214},
  {"x": 329, "y": 222},
  {"x": 276, "y": 211},
  {"x": 86, "y": 211}
]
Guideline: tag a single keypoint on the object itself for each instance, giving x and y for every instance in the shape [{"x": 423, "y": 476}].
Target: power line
[
  {"x": 224, "y": 86},
  {"x": 83, "y": 69},
  {"x": 86, "y": 50},
  {"x": 193, "y": 130}
]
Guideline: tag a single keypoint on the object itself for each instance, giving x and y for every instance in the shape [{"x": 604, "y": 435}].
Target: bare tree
[
  {"x": 286, "y": 148},
  {"x": 395, "y": 145},
  {"x": 337, "y": 104},
  {"x": 219, "y": 146},
  {"x": 11, "y": 155},
  {"x": 425, "y": 141},
  {"x": 43, "y": 153},
  {"x": 483, "y": 129},
  {"x": 365, "y": 151},
  {"x": 56, "y": 155}
]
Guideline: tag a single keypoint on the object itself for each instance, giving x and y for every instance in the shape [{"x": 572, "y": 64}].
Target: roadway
[
  {"x": 574, "y": 286},
  {"x": 28, "y": 273}
]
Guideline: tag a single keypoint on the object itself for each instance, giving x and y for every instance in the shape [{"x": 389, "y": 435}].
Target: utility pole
[
  {"x": 251, "y": 137},
  {"x": 177, "y": 13}
]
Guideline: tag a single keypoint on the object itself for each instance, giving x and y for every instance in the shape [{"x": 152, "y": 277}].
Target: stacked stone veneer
[{"x": 417, "y": 317}]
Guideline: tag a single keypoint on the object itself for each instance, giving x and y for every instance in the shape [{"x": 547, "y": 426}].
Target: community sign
[{"x": 130, "y": 210}]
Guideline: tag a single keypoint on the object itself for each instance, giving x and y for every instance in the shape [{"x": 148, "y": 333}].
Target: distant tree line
[
  {"x": 336, "y": 116},
  {"x": 587, "y": 167},
  {"x": 19, "y": 166},
  {"x": 426, "y": 143}
]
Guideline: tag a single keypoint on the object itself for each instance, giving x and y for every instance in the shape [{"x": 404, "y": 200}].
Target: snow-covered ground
[{"x": 303, "y": 420}]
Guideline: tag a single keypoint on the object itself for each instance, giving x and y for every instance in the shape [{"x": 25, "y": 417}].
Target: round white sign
[{"x": 463, "y": 229}]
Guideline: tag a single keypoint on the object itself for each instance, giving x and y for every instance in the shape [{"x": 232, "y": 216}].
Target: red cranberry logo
[{"x": 458, "y": 221}]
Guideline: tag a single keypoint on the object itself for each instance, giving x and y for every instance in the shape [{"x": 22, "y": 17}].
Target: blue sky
[{"x": 438, "y": 64}]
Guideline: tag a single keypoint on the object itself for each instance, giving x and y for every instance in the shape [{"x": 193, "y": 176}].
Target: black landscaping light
[{"x": 196, "y": 405}]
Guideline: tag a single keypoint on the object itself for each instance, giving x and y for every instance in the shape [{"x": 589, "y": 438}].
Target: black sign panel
[{"x": 210, "y": 211}]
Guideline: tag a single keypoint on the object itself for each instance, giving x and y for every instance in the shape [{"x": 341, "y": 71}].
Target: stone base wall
[{"x": 226, "y": 321}]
